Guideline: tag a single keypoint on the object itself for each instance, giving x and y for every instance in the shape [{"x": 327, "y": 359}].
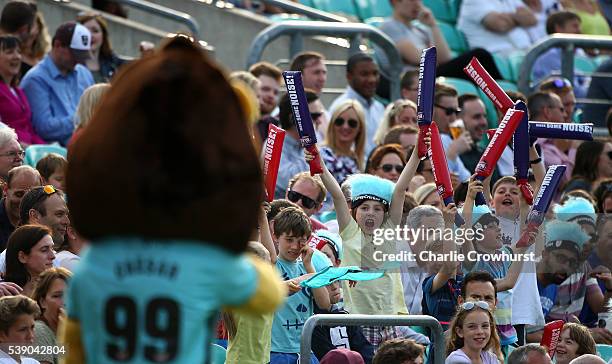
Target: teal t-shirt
[
  {"x": 154, "y": 301},
  {"x": 290, "y": 318}
]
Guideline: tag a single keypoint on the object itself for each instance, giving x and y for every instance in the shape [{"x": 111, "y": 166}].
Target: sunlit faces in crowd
[
  {"x": 387, "y": 162},
  {"x": 10, "y": 59},
  {"x": 307, "y": 192},
  {"x": 17, "y": 315},
  {"x": 369, "y": 215},
  {"x": 11, "y": 153},
  {"x": 506, "y": 198},
  {"x": 575, "y": 341},
  {"x": 314, "y": 75}
]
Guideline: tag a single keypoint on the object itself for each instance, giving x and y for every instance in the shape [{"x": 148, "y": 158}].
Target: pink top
[
  {"x": 15, "y": 112},
  {"x": 552, "y": 155}
]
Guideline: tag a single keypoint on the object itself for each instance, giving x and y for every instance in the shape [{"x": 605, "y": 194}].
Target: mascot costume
[{"x": 166, "y": 185}]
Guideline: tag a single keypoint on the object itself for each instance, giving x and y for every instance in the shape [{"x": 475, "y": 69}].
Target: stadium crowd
[{"x": 492, "y": 310}]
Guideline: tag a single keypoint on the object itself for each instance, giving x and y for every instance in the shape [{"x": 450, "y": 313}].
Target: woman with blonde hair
[
  {"x": 473, "y": 337},
  {"x": 401, "y": 112},
  {"x": 49, "y": 295},
  {"x": 344, "y": 147},
  {"x": 87, "y": 105}
]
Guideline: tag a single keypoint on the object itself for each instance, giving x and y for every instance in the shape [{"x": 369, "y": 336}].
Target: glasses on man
[
  {"x": 389, "y": 167},
  {"x": 449, "y": 110},
  {"x": 352, "y": 123},
  {"x": 315, "y": 115},
  {"x": 307, "y": 202},
  {"x": 562, "y": 259},
  {"x": 470, "y": 305},
  {"x": 14, "y": 154}
]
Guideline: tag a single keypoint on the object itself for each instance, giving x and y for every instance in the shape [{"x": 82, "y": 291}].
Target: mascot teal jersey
[{"x": 159, "y": 300}]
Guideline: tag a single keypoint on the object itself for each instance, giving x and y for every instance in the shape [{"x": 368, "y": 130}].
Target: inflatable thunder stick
[
  {"x": 521, "y": 154},
  {"x": 496, "y": 146},
  {"x": 302, "y": 119},
  {"x": 541, "y": 129},
  {"x": 487, "y": 84},
  {"x": 425, "y": 96},
  {"x": 551, "y": 336},
  {"x": 542, "y": 202},
  {"x": 272, "y": 156},
  {"x": 439, "y": 168}
]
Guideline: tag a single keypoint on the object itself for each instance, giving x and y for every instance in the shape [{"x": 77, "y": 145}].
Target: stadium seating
[
  {"x": 342, "y": 7},
  {"x": 454, "y": 37},
  {"x": 445, "y": 10},
  {"x": 507, "y": 85},
  {"x": 307, "y": 3},
  {"x": 504, "y": 67},
  {"x": 462, "y": 86},
  {"x": 374, "y": 8},
  {"x": 34, "y": 153},
  {"x": 584, "y": 64}
]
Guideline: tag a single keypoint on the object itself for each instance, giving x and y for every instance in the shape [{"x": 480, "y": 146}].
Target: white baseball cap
[{"x": 77, "y": 37}]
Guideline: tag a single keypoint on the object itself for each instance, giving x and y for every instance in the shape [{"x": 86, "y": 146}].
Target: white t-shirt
[
  {"x": 7, "y": 359},
  {"x": 66, "y": 259},
  {"x": 526, "y": 307},
  {"x": 473, "y": 12}
]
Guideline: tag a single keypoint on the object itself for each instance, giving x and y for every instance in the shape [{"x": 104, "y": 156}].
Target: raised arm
[
  {"x": 342, "y": 211},
  {"x": 265, "y": 237},
  {"x": 399, "y": 192},
  {"x": 474, "y": 187},
  {"x": 539, "y": 171}
]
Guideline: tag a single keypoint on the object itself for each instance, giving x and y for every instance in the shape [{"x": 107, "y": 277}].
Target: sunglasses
[
  {"x": 389, "y": 167},
  {"x": 307, "y": 202},
  {"x": 470, "y": 305},
  {"x": 315, "y": 115},
  {"x": 352, "y": 123},
  {"x": 561, "y": 83},
  {"x": 449, "y": 110}
]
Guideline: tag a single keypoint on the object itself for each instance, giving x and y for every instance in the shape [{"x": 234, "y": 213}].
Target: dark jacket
[{"x": 326, "y": 338}]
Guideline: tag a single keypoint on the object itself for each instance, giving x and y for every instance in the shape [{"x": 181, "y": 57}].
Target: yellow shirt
[
  {"x": 593, "y": 24},
  {"x": 382, "y": 296},
  {"x": 251, "y": 344}
]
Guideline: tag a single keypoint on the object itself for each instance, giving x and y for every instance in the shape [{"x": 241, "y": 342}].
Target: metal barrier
[
  {"x": 373, "y": 320},
  {"x": 296, "y": 30},
  {"x": 166, "y": 12},
  {"x": 312, "y": 13},
  {"x": 568, "y": 44}
]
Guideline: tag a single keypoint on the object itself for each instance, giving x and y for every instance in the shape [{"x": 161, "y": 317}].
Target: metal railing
[
  {"x": 166, "y": 12},
  {"x": 312, "y": 13},
  {"x": 372, "y": 320},
  {"x": 296, "y": 30},
  {"x": 568, "y": 44}
]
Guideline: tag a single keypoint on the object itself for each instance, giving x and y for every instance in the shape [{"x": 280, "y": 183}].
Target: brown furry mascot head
[{"x": 167, "y": 155}]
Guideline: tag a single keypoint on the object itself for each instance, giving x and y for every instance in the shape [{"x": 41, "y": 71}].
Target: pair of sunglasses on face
[
  {"x": 352, "y": 123},
  {"x": 307, "y": 202},
  {"x": 470, "y": 305},
  {"x": 389, "y": 167}
]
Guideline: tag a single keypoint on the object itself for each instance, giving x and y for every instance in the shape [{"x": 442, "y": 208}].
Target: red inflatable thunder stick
[
  {"x": 272, "y": 156},
  {"x": 439, "y": 168},
  {"x": 425, "y": 96},
  {"x": 551, "y": 335},
  {"x": 302, "y": 119},
  {"x": 488, "y": 85},
  {"x": 496, "y": 146},
  {"x": 536, "y": 215}
]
